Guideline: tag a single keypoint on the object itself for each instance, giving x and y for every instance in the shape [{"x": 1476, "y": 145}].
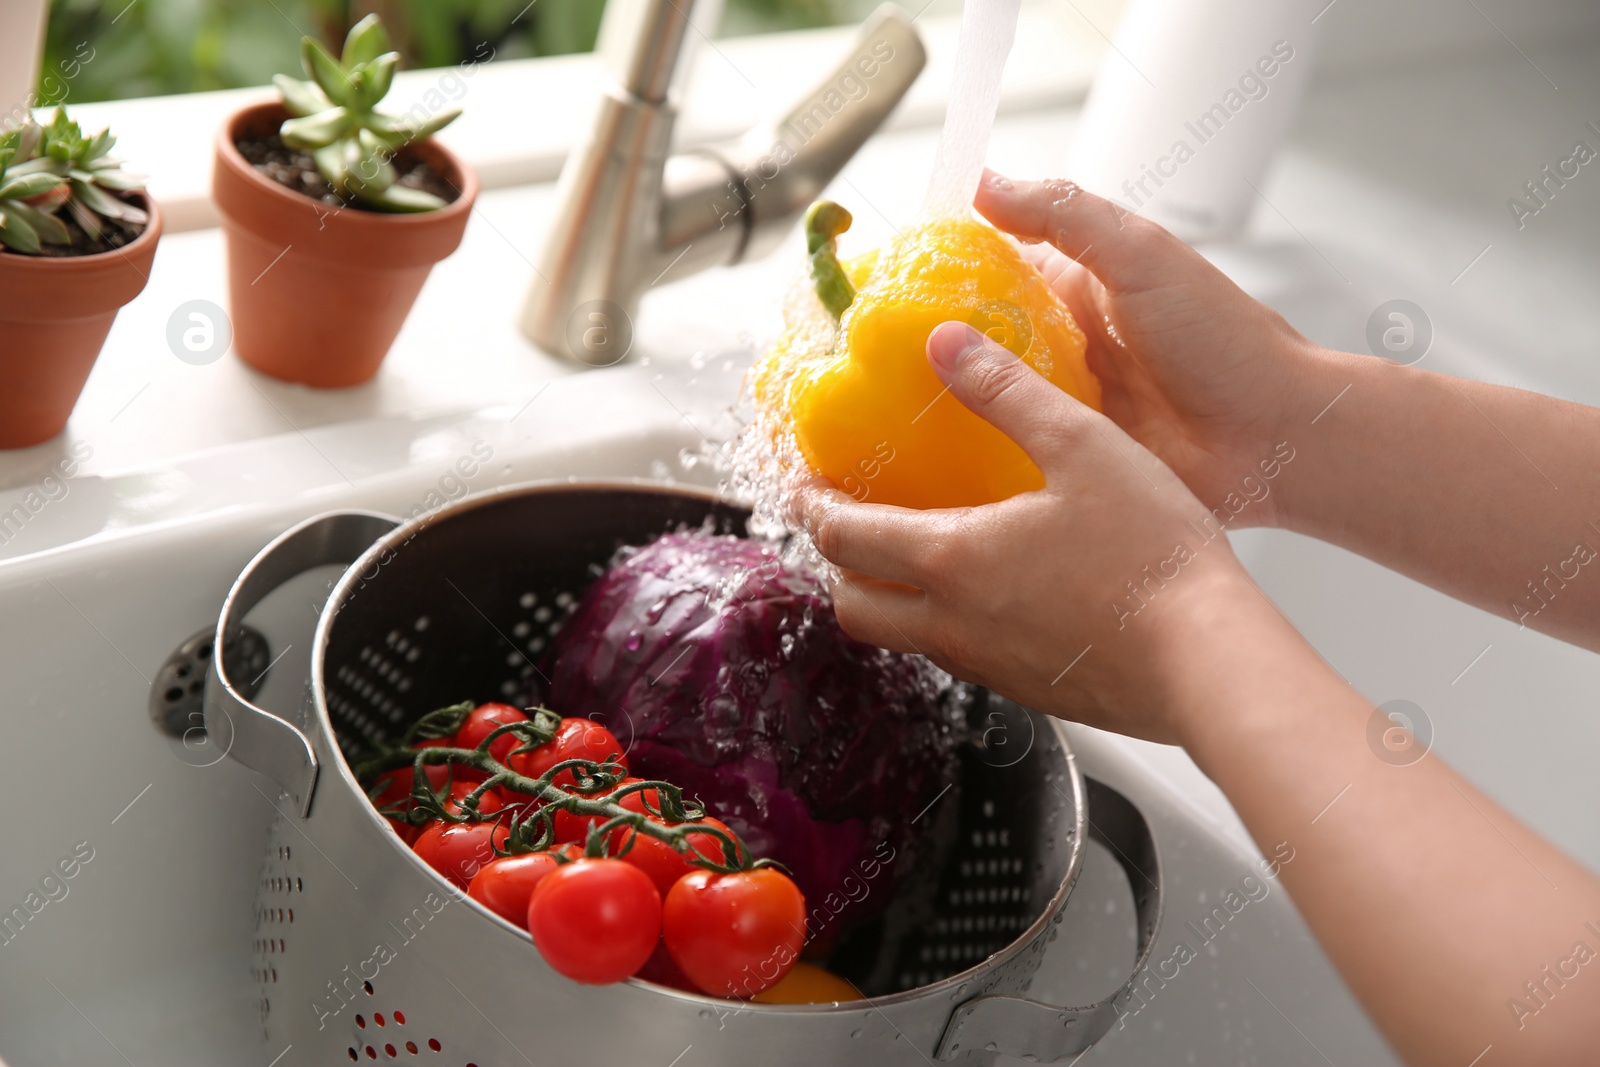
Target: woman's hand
[
  {"x": 1191, "y": 366},
  {"x": 1060, "y": 599}
]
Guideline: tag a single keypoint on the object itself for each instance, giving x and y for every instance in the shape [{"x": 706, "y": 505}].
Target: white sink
[{"x": 147, "y": 956}]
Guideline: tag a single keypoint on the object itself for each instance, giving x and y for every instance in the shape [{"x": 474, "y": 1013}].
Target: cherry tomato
[
  {"x": 460, "y": 850},
  {"x": 661, "y": 970},
  {"x": 571, "y": 827},
  {"x": 575, "y": 739},
  {"x": 635, "y": 801},
  {"x": 396, "y": 785},
  {"x": 595, "y": 920},
  {"x": 806, "y": 983},
  {"x": 505, "y": 884},
  {"x": 492, "y": 800},
  {"x": 510, "y": 798},
  {"x": 455, "y": 771},
  {"x": 734, "y": 935},
  {"x": 663, "y": 863},
  {"x": 395, "y": 789},
  {"x": 482, "y": 721}
]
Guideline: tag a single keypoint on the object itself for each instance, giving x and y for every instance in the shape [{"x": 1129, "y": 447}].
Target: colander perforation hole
[
  {"x": 387, "y": 1020},
  {"x": 350, "y": 714}
]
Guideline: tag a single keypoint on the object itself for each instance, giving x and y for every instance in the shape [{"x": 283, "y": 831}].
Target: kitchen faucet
[{"x": 630, "y": 215}]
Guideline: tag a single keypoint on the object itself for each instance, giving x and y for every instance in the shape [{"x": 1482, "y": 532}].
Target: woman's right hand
[{"x": 1190, "y": 365}]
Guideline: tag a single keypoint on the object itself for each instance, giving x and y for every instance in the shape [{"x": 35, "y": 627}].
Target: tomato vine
[{"x": 596, "y": 790}]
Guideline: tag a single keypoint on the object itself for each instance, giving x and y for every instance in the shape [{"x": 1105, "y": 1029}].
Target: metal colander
[{"x": 363, "y": 953}]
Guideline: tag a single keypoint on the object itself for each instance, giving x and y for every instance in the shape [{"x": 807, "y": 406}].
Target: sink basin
[{"x": 147, "y": 954}]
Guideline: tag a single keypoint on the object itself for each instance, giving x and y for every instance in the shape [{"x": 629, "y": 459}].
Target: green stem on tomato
[{"x": 535, "y": 831}]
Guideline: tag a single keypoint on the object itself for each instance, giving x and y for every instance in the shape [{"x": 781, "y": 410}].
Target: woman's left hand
[{"x": 1060, "y": 599}]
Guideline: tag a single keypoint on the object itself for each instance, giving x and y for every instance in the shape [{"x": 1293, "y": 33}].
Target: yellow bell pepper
[
  {"x": 866, "y": 409},
  {"x": 806, "y": 983}
]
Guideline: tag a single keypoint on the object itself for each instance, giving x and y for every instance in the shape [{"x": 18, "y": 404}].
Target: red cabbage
[{"x": 724, "y": 671}]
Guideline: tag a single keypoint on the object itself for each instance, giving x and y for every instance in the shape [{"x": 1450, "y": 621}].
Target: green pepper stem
[{"x": 825, "y": 221}]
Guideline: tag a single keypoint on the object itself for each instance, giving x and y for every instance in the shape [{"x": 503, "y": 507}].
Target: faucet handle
[
  {"x": 630, "y": 217},
  {"x": 775, "y": 172}
]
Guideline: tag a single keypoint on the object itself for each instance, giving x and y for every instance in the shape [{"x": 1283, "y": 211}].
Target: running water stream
[
  {"x": 763, "y": 467},
  {"x": 988, "y": 28}
]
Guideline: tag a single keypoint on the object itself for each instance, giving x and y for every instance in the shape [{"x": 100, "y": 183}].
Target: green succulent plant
[
  {"x": 337, "y": 121},
  {"x": 45, "y": 170}
]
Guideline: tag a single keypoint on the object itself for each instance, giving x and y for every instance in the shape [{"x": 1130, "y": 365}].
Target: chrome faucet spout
[{"x": 631, "y": 215}]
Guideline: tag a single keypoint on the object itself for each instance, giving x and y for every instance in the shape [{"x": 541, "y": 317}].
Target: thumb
[
  {"x": 1007, "y": 393},
  {"x": 1126, "y": 251}
]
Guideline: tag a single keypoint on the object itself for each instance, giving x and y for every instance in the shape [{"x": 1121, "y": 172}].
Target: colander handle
[
  {"x": 1046, "y": 1033},
  {"x": 260, "y": 739}
]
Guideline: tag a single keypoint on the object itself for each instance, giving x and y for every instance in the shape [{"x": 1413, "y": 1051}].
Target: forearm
[
  {"x": 1488, "y": 493},
  {"x": 1435, "y": 905}
]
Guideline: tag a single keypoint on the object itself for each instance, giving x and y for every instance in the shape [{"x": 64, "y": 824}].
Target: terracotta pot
[
  {"x": 318, "y": 293},
  {"x": 55, "y": 312}
]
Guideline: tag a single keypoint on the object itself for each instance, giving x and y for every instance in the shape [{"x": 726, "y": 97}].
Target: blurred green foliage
[{"x": 112, "y": 49}]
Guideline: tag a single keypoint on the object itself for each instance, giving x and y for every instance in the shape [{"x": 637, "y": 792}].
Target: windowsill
[{"x": 520, "y": 117}]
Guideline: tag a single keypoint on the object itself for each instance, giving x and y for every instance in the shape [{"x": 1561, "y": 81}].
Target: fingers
[
  {"x": 880, "y": 613},
  {"x": 1125, "y": 251},
  {"x": 1007, "y": 393},
  {"x": 876, "y": 539}
]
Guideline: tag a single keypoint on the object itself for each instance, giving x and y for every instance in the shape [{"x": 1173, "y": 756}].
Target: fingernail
[
  {"x": 949, "y": 344},
  {"x": 995, "y": 180}
]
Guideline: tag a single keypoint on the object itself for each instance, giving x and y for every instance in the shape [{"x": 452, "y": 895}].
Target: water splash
[{"x": 762, "y": 467}]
